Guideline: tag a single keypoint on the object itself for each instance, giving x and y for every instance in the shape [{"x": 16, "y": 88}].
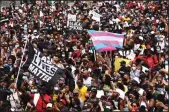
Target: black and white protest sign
[
  {"x": 42, "y": 67},
  {"x": 75, "y": 25}
]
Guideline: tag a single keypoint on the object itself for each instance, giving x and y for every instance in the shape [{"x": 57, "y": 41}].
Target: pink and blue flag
[{"x": 103, "y": 39}]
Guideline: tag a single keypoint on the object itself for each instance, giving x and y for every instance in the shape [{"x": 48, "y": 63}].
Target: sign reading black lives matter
[
  {"x": 75, "y": 25},
  {"x": 42, "y": 67}
]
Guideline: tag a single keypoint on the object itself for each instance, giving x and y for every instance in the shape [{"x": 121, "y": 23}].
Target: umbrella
[
  {"x": 108, "y": 48},
  {"x": 103, "y": 47}
]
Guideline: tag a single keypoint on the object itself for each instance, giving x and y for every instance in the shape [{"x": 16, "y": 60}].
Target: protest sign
[
  {"x": 96, "y": 16},
  {"x": 75, "y": 25}
]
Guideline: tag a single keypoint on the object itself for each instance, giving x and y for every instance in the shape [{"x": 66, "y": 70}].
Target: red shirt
[
  {"x": 137, "y": 57},
  {"x": 151, "y": 61},
  {"x": 41, "y": 103}
]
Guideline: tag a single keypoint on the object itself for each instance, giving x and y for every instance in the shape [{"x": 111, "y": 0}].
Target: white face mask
[
  {"x": 58, "y": 48},
  {"x": 133, "y": 68},
  {"x": 30, "y": 82},
  {"x": 161, "y": 39},
  {"x": 109, "y": 94},
  {"x": 56, "y": 88},
  {"x": 116, "y": 56},
  {"x": 34, "y": 90},
  {"x": 63, "y": 55}
]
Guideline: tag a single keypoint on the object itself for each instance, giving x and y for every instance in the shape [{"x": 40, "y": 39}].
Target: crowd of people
[{"x": 138, "y": 85}]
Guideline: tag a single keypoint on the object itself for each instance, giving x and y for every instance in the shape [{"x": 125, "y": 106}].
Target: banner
[
  {"x": 117, "y": 63},
  {"x": 96, "y": 16},
  {"x": 41, "y": 67}
]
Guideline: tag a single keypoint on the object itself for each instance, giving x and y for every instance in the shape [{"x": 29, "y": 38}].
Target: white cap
[
  {"x": 49, "y": 105},
  {"x": 148, "y": 18},
  {"x": 35, "y": 31}
]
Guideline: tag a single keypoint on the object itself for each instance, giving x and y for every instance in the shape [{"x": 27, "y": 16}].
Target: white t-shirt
[{"x": 87, "y": 81}]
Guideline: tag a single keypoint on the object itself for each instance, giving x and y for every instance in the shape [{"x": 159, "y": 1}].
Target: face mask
[
  {"x": 58, "y": 48},
  {"x": 24, "y": 77},
  {"x": 133, "y": 68},
  {"x": 30, "y": 82},
  {"x": 109, "y": 94},
  {"x": 29, "y": 32},
  {"x": 166, "y": 62},
  {"x": 34, "y": 90},
  {"x": 63, "y": 55},
  {"x": 56, "y": 88},
  {"x": 116, "y": 56},
  {"x": 158, "y": 49},
  {"x": 9, "y": 64},
  {"x": 5, "y": 65}
]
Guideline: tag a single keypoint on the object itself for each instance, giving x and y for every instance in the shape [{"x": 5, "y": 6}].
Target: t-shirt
[
  {"x": 151, "y": 61},
  {"x": 82, "y": 93},
  {"x": 64, "y": 109},
  {"x": 87, "y": 81}
]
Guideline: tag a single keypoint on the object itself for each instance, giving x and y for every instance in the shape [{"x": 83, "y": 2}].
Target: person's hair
[{"x": 120, "y": 86}]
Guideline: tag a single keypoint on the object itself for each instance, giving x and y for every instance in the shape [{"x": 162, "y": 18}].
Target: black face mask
[{"x": 29, "y": 32}]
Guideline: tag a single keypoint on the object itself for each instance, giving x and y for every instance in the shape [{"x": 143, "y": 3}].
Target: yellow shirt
[
  {"x": 55, "y": 96},
  {"x": 82, "y": 92},
  {"x": 127, "y": 19},
  {"x": 143, "y": 46}
]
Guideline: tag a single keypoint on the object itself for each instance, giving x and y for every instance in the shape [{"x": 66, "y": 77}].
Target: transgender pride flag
[{"x": 103, "y": 39}]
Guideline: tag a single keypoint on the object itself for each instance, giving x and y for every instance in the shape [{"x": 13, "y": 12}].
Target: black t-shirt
[
  {"x": 3, "y": 93},
  {"x": 2, "y": 72}
]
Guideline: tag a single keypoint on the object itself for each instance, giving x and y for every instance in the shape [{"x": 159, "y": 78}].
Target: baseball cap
[{"x": 49, "y": 105}]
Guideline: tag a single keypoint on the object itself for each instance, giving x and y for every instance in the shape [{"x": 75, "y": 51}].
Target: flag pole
[
  {"x": 94, "y": 52},
  {"x": 21, "y": 62}
]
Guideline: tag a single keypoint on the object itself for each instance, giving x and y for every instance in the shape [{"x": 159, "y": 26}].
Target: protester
[{"x": 54, "y": 36}]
